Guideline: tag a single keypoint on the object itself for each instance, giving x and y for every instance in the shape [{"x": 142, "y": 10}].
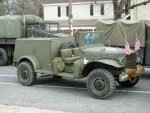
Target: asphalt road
[{"x": 71, "y": 96}]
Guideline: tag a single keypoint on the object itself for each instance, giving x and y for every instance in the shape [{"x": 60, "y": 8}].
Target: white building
[
  {"x": 140, "y": 12},
  {"x": 85, "y": 13}
]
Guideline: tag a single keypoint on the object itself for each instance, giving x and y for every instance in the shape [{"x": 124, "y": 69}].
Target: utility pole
[{"x": 70, "y": 17}]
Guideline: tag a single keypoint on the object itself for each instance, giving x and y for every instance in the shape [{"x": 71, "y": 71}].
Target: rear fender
[{"x": 32, "y": 59}]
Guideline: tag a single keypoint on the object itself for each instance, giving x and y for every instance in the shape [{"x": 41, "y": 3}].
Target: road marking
[
  {"x": 78, "y": 88},
  {"x": 147, "y": 69},
  {"x": 129, "y": 91},
  {"x": 5, "y": 83},
  {"x": 18, "y": 109},
  {"x": 8, "y": 76}
]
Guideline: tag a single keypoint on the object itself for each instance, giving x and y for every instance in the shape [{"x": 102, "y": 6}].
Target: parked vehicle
[
  {"x": 116, "y": 32},
  {"x": 59, "y": 57},
  {"x": 14, "y": 27}
]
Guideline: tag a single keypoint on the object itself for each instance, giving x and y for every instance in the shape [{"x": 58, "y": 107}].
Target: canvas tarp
[
  {"x": 117, "y": 31},
  {"x": 12, "y": 26},
  {"x": 30, "y": 19}
]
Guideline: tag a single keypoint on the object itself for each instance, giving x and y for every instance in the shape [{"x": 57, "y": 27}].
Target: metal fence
[
  {"x": 42, "y": 33},
  {"x": 76, "y": 32}
]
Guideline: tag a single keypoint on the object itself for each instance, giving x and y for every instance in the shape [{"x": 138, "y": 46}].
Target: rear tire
[
  {"x": 3, "y": 57},
  {"x": 100, "y": 83},
  {"x": 128, "y": 83},
  {"x": 25, "y": 73}
]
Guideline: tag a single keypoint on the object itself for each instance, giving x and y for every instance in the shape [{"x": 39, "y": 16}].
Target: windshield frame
[{"x": 83, "y": 35}]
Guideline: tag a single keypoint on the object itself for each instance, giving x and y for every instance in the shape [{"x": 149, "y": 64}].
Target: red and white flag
[
  {"x": 127, "y": 48},
  {"x": 137, "y": 44}
]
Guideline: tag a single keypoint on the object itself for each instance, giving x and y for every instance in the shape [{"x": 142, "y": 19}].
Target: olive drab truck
[
  {"x": 14, "y": 27},
  {"x": 101, "y": 65},
  {"x": 115, "y": 32}
]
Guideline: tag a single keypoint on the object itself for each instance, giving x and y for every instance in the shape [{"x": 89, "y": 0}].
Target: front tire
[
  {"x": 129, "y": 83},
  {"x": 100, "y": 83},
  {"x": 25, "y": 73}
]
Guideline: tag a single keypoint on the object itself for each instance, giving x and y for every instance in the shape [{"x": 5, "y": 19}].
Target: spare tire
[
  {"x": 3, "y": 57},
  {"x": 67, "y": 45}
]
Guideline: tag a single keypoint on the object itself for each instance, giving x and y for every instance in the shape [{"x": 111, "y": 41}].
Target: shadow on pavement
[{"x": 49, "y": 80}]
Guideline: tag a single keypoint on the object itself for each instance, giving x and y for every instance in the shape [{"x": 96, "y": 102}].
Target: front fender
[
  {"x": 32, "y": 59},
  {"x": 110, "y": 62}
]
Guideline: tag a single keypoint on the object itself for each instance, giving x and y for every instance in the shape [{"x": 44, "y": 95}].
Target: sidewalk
[{"x": 13, "y": 109}]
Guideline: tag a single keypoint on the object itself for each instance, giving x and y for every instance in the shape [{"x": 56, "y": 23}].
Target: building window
[
  {"x": 59, "y": 10},
  {"x": 63, "y": 11},
  {"x": 102, "y": 9},
  {"x": 91, "y": 10},
  {"x": 67, "y": 10},
  {"x": 97, "y": 9}
]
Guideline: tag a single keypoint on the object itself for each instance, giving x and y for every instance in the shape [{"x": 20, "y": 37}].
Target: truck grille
[{"x": 131, "y": 61}]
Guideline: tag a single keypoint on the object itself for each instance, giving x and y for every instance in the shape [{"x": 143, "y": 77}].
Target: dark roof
[{"x": 66, "y": 1}]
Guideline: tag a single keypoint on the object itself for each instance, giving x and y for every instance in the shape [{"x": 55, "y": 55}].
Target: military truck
[
  {"x": 59, "y": 57},
  {"x": 14, "y": 27},
  {"x": 116, "y": 31}
]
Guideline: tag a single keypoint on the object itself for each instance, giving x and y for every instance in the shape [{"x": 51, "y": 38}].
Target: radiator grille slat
[{"x": 131, "y": 61}]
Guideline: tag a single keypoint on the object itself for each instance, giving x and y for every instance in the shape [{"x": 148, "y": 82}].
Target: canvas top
[
  {"x": 117, "y": 31},
  {"x": 12, "y": 26}
]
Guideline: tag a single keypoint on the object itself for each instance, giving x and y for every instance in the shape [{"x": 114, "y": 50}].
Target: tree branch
[
  {"x": 122, "y": 3},
  {"x": 136, "y": 5}
]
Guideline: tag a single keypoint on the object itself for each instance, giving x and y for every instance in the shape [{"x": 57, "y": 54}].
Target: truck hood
[{"x": 105, "y": 50}]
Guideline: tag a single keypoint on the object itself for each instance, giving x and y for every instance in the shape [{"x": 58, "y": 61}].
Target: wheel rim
[
  {"x": 24, "y": 74},
  {"x": 99, "y": 84}
]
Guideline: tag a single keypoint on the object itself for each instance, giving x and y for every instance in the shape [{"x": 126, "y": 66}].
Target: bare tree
[
  {"x": 29, "y": 7},
  {"x": 119, "y": 6},
  {"x": 2, "y": 9},
  {"x": 6, "y": 7},
  {"x": 21, "y": 7}
]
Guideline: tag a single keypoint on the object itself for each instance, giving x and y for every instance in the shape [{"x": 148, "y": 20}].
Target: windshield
[{"x": 91, "y": 38}]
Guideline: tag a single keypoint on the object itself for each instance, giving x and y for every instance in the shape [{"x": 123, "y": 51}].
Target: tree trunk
[{"x": 117, "y": 14}]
